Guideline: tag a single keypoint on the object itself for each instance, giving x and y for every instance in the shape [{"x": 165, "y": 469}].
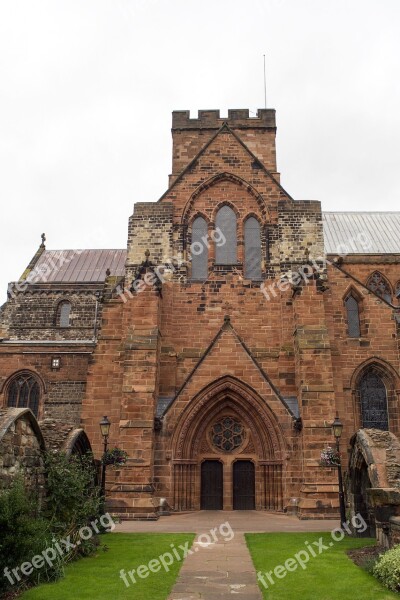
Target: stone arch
[
  {"x": 77, "y": 443},
  {"x": 374, "y": 464},
  {"x": 240, "y": 397},
  {"x": 390, "y": 379},
  {"x": 226, "y": 176},
  {"x": 22, "y": 447},
  {"x": 263, "y": 443}
]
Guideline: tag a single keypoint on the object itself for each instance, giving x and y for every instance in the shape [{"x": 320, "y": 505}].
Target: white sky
[{"x": 87, "y": 88}]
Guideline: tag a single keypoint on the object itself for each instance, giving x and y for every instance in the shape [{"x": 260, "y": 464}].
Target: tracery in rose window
[{"x": 227, "y": 434}]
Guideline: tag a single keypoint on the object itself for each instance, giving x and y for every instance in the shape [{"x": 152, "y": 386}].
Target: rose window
[{"x": 228, "y": 434}]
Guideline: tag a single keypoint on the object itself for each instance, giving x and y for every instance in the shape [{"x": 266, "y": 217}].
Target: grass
[
  {"x": 98, "y": 577},
  {"x": 331, "y": 575}
]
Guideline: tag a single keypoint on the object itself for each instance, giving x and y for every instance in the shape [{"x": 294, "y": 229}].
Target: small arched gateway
[
  {"x": 374, "y": 476},
  {"x": 227, "y": 451}
]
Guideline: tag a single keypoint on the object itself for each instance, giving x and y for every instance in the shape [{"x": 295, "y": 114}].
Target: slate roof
[
  {"x": 361, "y": 232},
  {"x": 79, "y": 266}
]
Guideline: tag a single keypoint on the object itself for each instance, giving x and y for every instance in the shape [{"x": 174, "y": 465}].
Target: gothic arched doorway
[{"x": 227, "y": 443}]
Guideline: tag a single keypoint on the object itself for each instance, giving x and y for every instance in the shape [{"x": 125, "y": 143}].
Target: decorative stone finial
[
  {"x": 147, "y": 253},
  {"x": 227, "y": 320},
  {"x": 108, "y": 273},
  {"x": 43, "y": 236}
]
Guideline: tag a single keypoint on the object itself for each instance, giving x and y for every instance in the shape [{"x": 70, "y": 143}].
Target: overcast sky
[{"x": 87, "y": 88}]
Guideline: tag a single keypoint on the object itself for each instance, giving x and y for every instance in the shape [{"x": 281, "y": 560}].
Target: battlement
[{"x": 237, "y": 118}]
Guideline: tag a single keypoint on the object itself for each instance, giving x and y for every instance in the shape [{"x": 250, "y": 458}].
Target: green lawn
[
  {"x": 330, "y": 575},
  {"x": 98, "y": 577}
]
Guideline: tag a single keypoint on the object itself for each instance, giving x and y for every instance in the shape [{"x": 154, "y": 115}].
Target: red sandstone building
[{"x": 223, "y": 341}]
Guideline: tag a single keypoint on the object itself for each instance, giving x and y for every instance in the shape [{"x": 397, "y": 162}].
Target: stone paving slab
[
  {"x": 222, "y": 569},
  {"x": 248, "y": 521}
]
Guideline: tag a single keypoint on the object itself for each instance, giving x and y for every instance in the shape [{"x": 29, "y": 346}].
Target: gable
[
  {"x": 229, "y": 350},
  {"x": 224, "y": 153}
]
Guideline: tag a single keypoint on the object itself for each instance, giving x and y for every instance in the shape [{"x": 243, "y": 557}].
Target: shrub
[
  {"x": 24, "y": 533},
  {"x": 387, "y": 569},
  {"x": 73, "y": 498},
  {"x": 72, "y": 501}
]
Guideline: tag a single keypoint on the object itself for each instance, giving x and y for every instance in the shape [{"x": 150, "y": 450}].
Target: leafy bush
[
  {"x": 72, "y": 502},
  {"x": 73, "y": 499},
  {"x": 24, "y": 533},
  {"x": 387, "y": 569}
]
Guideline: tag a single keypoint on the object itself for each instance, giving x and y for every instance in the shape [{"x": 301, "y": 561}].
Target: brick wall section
[
  {"x": 378, "y": 342},
  {"x": 190, "y": 135},
  {"x": 314, "y": 377},
  {"x": 65, "y": 397},
  {"x": 122, "y": 383},
  {"x": 62, "y": 390},
  {"x": 42, "y": 303},
  {"x": 150, "y": 228},
  {"x": 300, "y": 231}
]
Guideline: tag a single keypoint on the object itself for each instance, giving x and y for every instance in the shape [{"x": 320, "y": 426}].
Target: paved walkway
[
  {"x": 220, "y": 566},
  {"x": 247, "y": 521},
  {"x": 223, "y": 569}
]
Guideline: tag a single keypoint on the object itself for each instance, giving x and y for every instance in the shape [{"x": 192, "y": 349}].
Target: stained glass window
[
  {"x": 228, "y": 434},
  {"x": 24, "y": 392},
  {"x": 252, "y": 249},
  {"x": 353, "y": 317},
  {"x": 373, "y": 397},
  {"x": 379, "y": 284}
]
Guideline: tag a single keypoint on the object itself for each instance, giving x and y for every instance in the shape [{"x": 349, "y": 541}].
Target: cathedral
[{"x": 222, "y": 342}]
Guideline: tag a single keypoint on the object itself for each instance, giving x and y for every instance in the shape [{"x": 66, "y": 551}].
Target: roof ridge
[
  {"x": 85, "y": 250},
  {"x": 361, "y": 212}
]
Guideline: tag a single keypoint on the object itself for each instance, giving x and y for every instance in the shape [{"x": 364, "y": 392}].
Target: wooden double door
[{"x": 212, "y": 485}]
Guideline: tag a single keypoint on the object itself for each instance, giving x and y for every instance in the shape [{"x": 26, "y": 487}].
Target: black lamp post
[
  {"x": 337, "y": 429},
  {"x": 105, "y": 431}
]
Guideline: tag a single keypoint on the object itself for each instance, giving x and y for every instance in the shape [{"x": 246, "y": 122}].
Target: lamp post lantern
[
  {"x": 105, "y": 425},
  {"x": 337, "y": 429}
]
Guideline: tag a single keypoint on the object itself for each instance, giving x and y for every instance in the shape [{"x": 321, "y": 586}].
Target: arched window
[
  {"x": 24, "y": 392},
  {"x": 353, "y": 316},
  {"x": 374, "y": 403},
  {"x": 397, "y": 291},
  {"x": 226, "y": 249},
  {"x": 63, "y": 318},
  {"x": 199, "y": 249},
  {"x": 380, "y": 285},
  {"x": 252, "y": 249}
]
